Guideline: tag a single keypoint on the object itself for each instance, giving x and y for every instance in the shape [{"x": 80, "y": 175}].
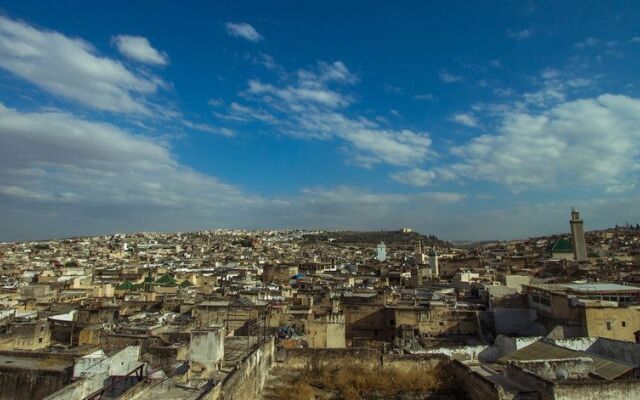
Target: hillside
[{"x": 390, "y": 238}]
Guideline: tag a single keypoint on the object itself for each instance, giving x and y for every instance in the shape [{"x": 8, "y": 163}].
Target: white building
[{"x": 382, "y": 252}]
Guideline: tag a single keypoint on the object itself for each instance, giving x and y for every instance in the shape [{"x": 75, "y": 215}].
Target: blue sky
[{"x": 463, "y": 121}]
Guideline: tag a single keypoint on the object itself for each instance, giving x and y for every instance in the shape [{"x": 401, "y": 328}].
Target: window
[
  {"x": 624, "y": 324},
  {"x": 545, "y": 299},
  {"x": 608, "y": 326}
]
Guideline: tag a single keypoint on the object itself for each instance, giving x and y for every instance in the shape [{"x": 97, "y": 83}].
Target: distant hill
[{"x": 390, "y": 238}]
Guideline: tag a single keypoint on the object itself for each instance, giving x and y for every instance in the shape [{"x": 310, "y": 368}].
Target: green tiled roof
[
  {"x": 126, "y": 285},
  {"x": 186, "y": 283},
  {"x": 166, "y": 280},
  {"x": 562, "y": 246}
]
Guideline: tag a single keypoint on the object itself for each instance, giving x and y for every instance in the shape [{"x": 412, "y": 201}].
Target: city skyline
[{"x": 476, "y": 124}]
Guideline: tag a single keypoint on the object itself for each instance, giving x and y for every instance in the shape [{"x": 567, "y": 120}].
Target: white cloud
[
  {"x": 415, "y": 177},
  {"x": 595, "y": 42},
  {"x": 215, "y": 102},
  {"x": 447, "y": 77},
  {"x": 327, "y": 72},
  {"x": 426, "y": 96},
  {"x": 389, "y": 88},
  {"x": 266, "y": 61},
  {"x": 521, "y": 34},
  {"x": 621, "y": 188},
  {"x": 55, "y": 163},
  {"x": 504, "y": 92},
  {"x": 139, "y": 49},
  {"x": 300, "y": 94},
  {"x": 582, "y": 142},
  {"x": 208, "y": 128},
  {"x": 466, "y": 119},
  {"x": 61, "y": 175},
  {"x": 71, "y": 68},
  {"x": 307, "y": 104},
  {"x": 244, "y": 31},
  {"x": 355, "y": 208},
  {"x": 551, "y": 87},
  {"x": 242, "y": 113}
]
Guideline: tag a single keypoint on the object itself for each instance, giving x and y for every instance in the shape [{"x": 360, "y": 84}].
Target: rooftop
[
  {"x": 562, "y": 246},
  {"x": 33, "y": 363},
  {"x": 542, "y": 351},
  {"x": 601, "y": 287}
]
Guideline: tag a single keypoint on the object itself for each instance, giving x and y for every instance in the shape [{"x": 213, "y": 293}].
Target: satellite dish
[{"x": 562, "y": 375}]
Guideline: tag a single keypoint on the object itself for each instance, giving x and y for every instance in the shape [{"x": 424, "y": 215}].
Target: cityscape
[{"x": 357, "y": 200}]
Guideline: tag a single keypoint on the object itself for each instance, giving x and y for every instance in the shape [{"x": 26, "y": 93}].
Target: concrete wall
[
  {"x": 509, "y": 321},
  {"x": 326, "y": 332},
  {"x": 367, "y": 320},
  {"x": 18, "y": 383},
  {"x": 92, "y": 377},
  {"x": 468, "y": 353},
  {"x": 578, "y": 344},
  {"x": 508, "y": 345},
  {"x": 503, "y": 346},
  {"x": 248, "y": 377},
  {"x": 516, "y": 281},
  {"x": 476, "y": 386},
  {"x": 598, "y": 390},
  {"x": 167, "y": 357},
  {"x": 572, "y": 368},
  {"x": 616, "y": 349},
  {"x": 526, "y": 378},
  {"x": 613, "y": 322},
  {"x": 206, "y": 350}
]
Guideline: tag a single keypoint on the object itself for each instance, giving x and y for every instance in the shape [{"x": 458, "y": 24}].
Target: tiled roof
[
  {"x": 562, "y": 246},
  {"x": 540, "y": 350}
]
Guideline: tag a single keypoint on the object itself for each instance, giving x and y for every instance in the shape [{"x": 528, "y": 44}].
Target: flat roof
[
  {"x": 601, "y": 287},
  {"x": 585, "y": 287},
  {"x": 34, "y": 363}
]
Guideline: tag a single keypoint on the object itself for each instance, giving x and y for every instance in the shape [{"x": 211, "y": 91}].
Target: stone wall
[
  {"x": 414, "y": 361},
  {"x": 468, "y": 353},
  {"x": 298, "y": 358}
]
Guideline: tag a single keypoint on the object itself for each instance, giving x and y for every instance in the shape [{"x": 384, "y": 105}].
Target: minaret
[
  {"x": 418, "y": 253},
  {"x": 433, "y": 262},
  {"x": 382, "y": 252},
  {"x": 577, "y": 236}
]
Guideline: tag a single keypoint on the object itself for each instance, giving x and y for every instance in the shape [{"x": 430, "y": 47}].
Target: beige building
[{"x": 594, "y": 309}]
